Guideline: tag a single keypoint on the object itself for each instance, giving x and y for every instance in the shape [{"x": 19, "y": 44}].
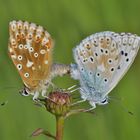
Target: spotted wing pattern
[
  {"x": 30, "y": 48},
  {"x": 102, "y": 60}
]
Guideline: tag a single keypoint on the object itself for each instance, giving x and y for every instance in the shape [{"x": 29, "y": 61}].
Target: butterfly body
[{"x": 102, "y": 59}]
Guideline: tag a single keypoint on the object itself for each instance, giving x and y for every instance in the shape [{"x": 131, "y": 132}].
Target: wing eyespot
[
  {"x": 20, "y": 57},
  {"x": 26, "y": 75},
  {"x": 98, "y": 74},
  {"x": 19, "y": 66},
  {"x": 20, "y": 46}
]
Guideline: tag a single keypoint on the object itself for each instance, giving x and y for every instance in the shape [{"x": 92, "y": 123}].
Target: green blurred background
[{"x": 69, "y": 21}]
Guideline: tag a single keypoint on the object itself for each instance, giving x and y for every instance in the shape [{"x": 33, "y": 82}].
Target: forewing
[
  {"x": 30, "y": 48},
  {"x": 103, "y": 58}
]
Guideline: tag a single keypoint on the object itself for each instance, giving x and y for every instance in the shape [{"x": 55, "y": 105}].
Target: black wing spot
[
  {"x": 122, "y": 52},
  {"x": 98, "y": 74},
  {"x": 112, "y": 69},
  {"x": 127, "y": 59},
  {"x": 119, "y": 67},
  {"x": 91, "y": 59},
  {"x": 126, "y": 54},
  {"x": 106, "y": 51},
  {"x": 102, "y": 50},
  {"x": 96, "y": 54},
  {"x": 105, "y": 80}
]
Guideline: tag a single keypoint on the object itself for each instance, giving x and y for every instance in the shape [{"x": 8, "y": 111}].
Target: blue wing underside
[{"x": 102, "y": 60}]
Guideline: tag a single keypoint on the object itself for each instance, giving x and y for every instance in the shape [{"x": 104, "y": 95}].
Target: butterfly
[
  {"x": 102, "y": 59},
  {"x": 30, "y": 48}
]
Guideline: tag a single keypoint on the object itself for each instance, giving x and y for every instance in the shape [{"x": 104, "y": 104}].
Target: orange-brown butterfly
[{"x": 30, "y": 48}]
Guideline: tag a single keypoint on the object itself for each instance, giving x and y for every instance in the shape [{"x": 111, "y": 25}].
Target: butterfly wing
[
  {"x": 102, "y": 59},
  {"x": 30, "y": 48}
]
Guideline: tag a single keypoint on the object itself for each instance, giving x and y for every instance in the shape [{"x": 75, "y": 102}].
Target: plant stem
[{"x": 59, "y": 127}]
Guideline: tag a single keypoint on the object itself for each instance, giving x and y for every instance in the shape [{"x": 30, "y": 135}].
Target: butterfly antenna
[
  {"x": 122, "y": 105},
  {"x": 125, "y": 109},
  {"x": 8, "y": 87},
  {"x": 4, "y": 103},
  {"x": 74, "y": 90}
]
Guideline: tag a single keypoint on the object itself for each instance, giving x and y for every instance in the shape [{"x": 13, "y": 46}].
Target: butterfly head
[
  {"x": 89, "y": 93},
  {"x": 25, "y": 91},
  {"x": 104, "y": 101}
]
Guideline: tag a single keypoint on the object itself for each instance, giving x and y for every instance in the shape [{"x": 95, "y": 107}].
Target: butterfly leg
[
  {"x": 93, "y": 104},
  {"x": 90, "y": 109},
  {"x": 71, "y": 87},
  {"x": 78, "y": 102},
  {"x": 80, "y": 111},
  {"x": 35, "y": 96},
  {"x": 43, "y": 93}
]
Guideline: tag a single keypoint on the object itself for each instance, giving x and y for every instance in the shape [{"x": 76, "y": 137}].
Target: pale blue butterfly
[{"x": 102, "y": 59}]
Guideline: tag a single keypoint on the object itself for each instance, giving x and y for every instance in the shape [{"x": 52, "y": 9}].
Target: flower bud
[{"x": 58, "y": 103}]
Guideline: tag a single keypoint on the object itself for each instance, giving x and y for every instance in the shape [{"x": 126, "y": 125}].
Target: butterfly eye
[
  {"x": 105, "y": 101},
  {"x": 24, "y": 92}
]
